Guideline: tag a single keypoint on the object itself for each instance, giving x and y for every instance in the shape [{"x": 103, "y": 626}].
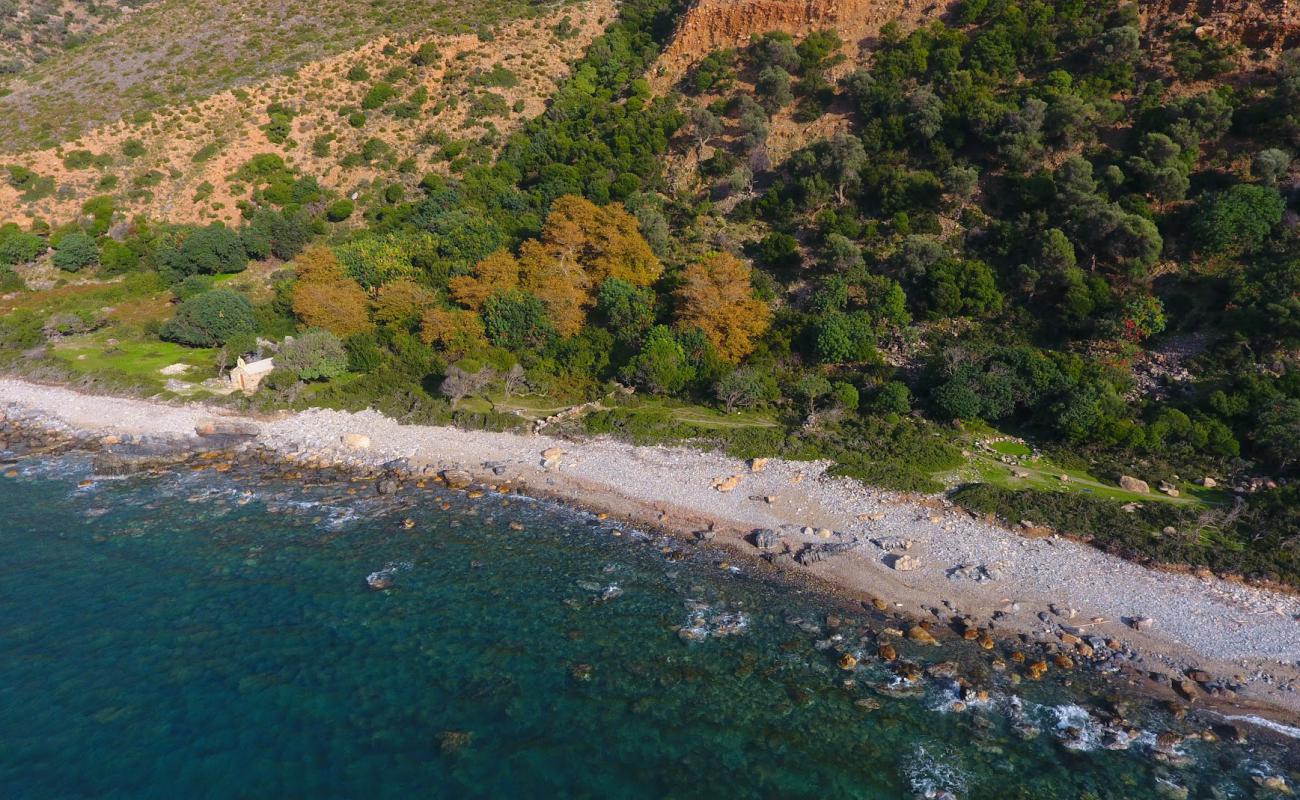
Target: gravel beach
[{"x": 919, "y": 556}]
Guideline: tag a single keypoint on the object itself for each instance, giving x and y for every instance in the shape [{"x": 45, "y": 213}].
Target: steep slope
[
  {"x": 179, "y": 164},
  {"x": 179, "y": 51},
  {"x": 710, "y": 25}
]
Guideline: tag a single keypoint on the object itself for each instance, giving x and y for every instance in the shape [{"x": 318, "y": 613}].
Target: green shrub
[
  {"x": 379, "y": 94},
  {"x": 210, "y": 319},
  {"x": 213, "y": 250},
  {"x": 427, "y": 55},
  {"x": 116, "y": 258},
  {"x": 314, "y": 355},
  {"x": 133, "y": 148},
  {"x": 17, "y": 246},
  {"x": 339, "y": 210},
  {"x": 10, "y": 281},
  {"x": 75, "y": 252},
  {"x": 1238, "y": 220},
  {"x": 517, "y": 321}
]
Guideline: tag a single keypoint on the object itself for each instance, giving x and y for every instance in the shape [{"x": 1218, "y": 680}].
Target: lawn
[{"x": 135, "y": 362}]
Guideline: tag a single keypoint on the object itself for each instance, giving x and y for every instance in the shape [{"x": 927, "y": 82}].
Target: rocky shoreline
[{"x": 941, "y": 572}]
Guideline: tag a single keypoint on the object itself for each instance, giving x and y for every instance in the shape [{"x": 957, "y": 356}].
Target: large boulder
[
  {"x": 1130, "y": 484},
  {"x": 456, "y": 478},
  {"x": 356, "y": 441},
  {"x": 229, "y": 428}
]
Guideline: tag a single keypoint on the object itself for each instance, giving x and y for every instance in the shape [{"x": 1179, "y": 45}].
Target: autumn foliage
[
  {"x": 717, "y": 297},
  {"x": 324, "y": 297},
  {"x": 581, "y": 245}
]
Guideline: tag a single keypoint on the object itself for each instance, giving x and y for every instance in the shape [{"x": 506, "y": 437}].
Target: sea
[{"x": 200, "y": 634}]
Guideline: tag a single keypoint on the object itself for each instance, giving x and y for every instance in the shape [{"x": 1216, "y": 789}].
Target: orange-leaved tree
[
  {"x": 324, "y": 297},
  {"x": 582, "y": 244},
  {"x": 401, "y": 302},
  {"x": 453, "y": 330},
  {"x": 717, "y": 297},
  {"x": 498, "y": 272}
]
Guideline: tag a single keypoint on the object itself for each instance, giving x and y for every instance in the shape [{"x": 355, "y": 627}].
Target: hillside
[
  {"x": 375, "y": 116},
  {"x": 173, "y": 52},
  {"x": 32, "y": 31}
]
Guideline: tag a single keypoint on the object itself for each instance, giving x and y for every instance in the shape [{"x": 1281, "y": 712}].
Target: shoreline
[{"x": 1217, "y": 645}]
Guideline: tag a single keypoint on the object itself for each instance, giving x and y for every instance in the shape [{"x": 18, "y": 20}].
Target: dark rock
[
  {"x": 766, "y": 538},
  {"x": 387, "y": 486}
]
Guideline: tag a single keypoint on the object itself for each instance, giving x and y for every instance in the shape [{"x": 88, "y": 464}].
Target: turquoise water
[{"x": 202, "y": 636}]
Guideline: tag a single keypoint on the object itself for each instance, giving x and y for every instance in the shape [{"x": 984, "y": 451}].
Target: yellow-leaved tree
[
  {"x": 717, "y": 297},
  {"x": 582, "y": 244},
  {"x": 324, "y": 296}
]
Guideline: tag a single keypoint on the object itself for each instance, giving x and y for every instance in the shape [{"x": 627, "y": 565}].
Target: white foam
[
  {"x": 1276, "y": 727},
  {"x": 933, "y": 773}
]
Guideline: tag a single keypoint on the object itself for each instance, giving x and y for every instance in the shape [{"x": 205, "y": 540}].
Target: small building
[{"x": 247, "y": 376}]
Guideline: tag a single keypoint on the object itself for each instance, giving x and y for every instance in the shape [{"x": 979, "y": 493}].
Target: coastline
[{"x": 1214, "y": 644}]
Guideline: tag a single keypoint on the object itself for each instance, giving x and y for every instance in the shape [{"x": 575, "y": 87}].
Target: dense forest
[{"x": 1023, "y": 223}]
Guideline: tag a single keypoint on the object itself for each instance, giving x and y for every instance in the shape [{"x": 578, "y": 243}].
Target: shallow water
[{"x": 202, "y": 636}]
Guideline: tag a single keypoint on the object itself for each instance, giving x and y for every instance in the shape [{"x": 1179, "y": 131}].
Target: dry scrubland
[{"x": 177, "y": 163}]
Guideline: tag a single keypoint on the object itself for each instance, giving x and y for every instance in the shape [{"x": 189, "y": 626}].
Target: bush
[
  {"x": 18, "y": 246},
  {"x": 210, "y": 319},
  {"x": 75, "y": 252},
  {"x": 214, "y": 250},
  {"x": 339, "y": 210},
  {"x": 379, "y": 94},
  {"x": 517, "y": 321},
  {"x": 1238, "y": 220},
  {"x": 116, "y": 258},
  {"x": 10, "y": 280},
  {"x": 315, "y": 355},
  {"x": 426, "y": 56}
]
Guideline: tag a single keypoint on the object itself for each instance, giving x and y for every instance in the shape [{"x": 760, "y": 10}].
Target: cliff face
[
  {"x": 1267, "y": 26},
  {"x": 715, "y": 24}
]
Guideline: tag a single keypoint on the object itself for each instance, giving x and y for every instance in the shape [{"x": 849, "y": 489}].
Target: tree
[
  {"x": 402, "y": 302},
  {"x": 745, "y": 388},
  {"x": 705, "y": 126},
  {"x": 1279, "y": 433},
  {"x": 845, "y": 337},
  {"x": 514, "y": 380},
  {"x": 213, "y": 250},
  {"x": 924, "y": 113},
  {"x": 210, "y": 319},
  {"x": 455, "y": 331},
  {"x": 773, "y": 87},
  {"x": 661, "y": 367},
  {"x": 323, "y": 297},
  {"x": 1270, "y": 165},
  {"x": 499, "y": 272},
  {"x": 810, "y": 388},
  {"x": 76, "y": 251},
  {"x": 717, "y": 297},
  {"x": 314, "y": 355},
  {"x": 893, "y": 398},
  {"x": 628, "y": 311},
  {"x": 847, "y": 158},
  {"x": 1237, "y": 220},
  {"x": 459, "y": 384},
  {"x": 517, "y": 321}
]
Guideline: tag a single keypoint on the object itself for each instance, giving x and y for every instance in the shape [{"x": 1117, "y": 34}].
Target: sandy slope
[{"x": 1223, "y": 628}]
